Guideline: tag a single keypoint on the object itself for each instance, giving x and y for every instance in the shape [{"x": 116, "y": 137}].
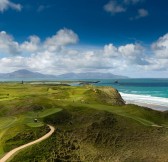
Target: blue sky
[
  {"x": 87, "y": 18},
  {"x": 127, "y": 37}
]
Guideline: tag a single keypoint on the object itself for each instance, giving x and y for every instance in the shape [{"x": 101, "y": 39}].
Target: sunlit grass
[{"x": 21, "y": 104}]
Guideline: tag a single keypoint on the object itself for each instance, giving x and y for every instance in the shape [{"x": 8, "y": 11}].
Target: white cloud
[
  {"x": 6, "y": 4},
  {"x": 32, "y": 45},
  {"x": 130, "y": 50},
  {"x": 141, "y": 14},
  {"x": 129, "y": 53},
  {"x": 63, "y": 37},
  {"x": 45, "y": 60},
  {"x": 110, "y": 50},
  {"x": 158, "y": 60},
  {"x": 8, "y": 45},
  {"x": 54, "y": 43},
  {"x": 54, "y": 57},
  {"x": 133, "y": 53},
  {"x": 113, "y": 7},
  {"x": 49, "y": 55},
  {"x": 160, "y": 47}
]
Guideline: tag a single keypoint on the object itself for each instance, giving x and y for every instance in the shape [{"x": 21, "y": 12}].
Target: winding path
[{"x": 14, "y": 151}]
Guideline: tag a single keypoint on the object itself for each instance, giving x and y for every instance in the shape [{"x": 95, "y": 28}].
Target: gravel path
[{"x": 16, "y": 150}]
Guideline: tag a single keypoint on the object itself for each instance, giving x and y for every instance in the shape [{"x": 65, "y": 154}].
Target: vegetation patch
[
  {"x": 94, "y": 135},
  {"x": 25, "y": 136},
  {"x": 92, "y": 124}
]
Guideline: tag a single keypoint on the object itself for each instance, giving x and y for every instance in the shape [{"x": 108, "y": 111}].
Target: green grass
[
  {"x": 42, "y": 113},
  {"x": 5, "y": 122},
  {"x": 48, "y": 112},
  {"x": 73, "y": 108},
  {"x": 16, "y": 109},
  {"x": 39, "y": 124},
  {"x": 96, "y": 134},
  {"x": 141, "y": 114}
]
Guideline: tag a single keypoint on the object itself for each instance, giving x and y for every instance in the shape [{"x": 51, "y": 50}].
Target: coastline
[{"x": 155, "y": 103}]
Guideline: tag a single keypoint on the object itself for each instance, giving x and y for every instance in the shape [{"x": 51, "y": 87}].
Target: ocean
[{"x": 152, "y": 93}]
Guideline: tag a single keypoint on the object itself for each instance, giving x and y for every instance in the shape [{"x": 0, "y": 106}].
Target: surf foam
[{"x": 157, "y": 103}]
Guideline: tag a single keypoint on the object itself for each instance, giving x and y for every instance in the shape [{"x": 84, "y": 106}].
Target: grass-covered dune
[{"x": 92, "y": 124}]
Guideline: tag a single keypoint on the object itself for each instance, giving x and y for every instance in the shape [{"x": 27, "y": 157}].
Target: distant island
[{"x": 26, "y": 74}]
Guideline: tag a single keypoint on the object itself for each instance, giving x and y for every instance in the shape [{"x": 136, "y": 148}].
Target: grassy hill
[{"x": 92, "y": 124}]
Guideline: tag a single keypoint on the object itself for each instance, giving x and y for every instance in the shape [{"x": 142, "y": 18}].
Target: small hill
[{"x": 105, "y": 95}]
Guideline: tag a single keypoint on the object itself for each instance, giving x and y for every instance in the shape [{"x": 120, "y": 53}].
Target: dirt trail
[{"x": 14, "y": 151}]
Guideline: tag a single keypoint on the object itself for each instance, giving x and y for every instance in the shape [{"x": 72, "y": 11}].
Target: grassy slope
[
  {"x": 21, "y": 105},
  {"x": 85, "y": 134},
  {"x": 94, "y": 124}
]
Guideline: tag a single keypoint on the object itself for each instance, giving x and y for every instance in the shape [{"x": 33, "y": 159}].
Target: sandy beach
[{"x": 151, "y": 106}]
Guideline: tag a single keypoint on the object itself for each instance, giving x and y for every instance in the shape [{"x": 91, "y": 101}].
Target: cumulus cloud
[
  {"x": 129, "y": 53},
  {"x": 110, "y": 50},
  {"x": 39, "y": 55},
  {"x": 159, "y": 59},
  {"x": 114, "y": 7},
  {"x": 8, "y": 45},
  {"x": 52, "y": 55},
  {"x": 6, "y": 4},
  {"x": 61, "y": 38},
  {"x": 56, "y": 42},
  {"x": 160, "y": 47},
  {"x": 41, "y": 58},
  {"x": 133, "y": 53},
  {"x": 32, "y": 45}
]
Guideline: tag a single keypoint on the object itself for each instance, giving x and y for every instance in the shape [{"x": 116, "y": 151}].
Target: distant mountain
[
  {"x": 26, "y": 74},
  {"x": 90, "y": 75}
]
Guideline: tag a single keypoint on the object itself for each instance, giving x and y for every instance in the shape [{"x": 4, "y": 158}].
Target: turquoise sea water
[
  {"x": 153, "y": 87},
  {"x": 153, "y": 92}
]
